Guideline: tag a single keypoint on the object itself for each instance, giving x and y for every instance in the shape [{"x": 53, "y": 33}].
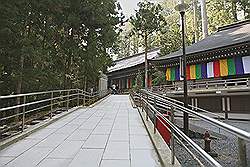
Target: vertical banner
[
  {"x": 223, "y": 67},
  {"x": 177, "y": 73},
  {"x": 246, "y": 64},
  {"x": 172, "y": 77},
  {"x": 216, "y": 64},
  {"x": 239, "y": 65},
  {"x": 188, "y": 72},
  {"x": 168, "y": 74},
  {"x": 198, "y": 71},
  {"x": 210, "y": 70},
  {"x": 231, "y": 66},
  {"x": 192, "y": 72},
  {"x": 204, "y": 70}
]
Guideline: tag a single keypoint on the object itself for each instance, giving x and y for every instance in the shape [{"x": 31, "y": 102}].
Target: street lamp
[{"x": 181, "y": 8}]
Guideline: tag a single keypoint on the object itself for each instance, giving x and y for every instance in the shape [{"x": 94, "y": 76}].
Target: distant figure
[
  {"x": 91, "y": 91},
  {"x": 114, "y": 89}
]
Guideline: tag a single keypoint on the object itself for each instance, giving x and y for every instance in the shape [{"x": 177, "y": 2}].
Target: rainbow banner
[
  {"x": 218, "y": 68},
  {"x": 173, "y": 73}
]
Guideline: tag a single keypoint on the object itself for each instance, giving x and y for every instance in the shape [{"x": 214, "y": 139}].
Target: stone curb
[{"x": 35, "y": 128}]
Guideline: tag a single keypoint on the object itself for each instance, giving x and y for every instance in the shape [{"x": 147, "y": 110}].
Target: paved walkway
[{"x": 111, "y": 134}]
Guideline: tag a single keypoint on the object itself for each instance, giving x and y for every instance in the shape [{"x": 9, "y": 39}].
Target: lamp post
[{"x": 181, "y": 8}]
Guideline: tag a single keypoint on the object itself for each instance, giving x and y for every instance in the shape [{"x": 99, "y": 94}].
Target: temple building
[
  {"x": 125, "y": 70},
  {"x": 218, "y": 70}
]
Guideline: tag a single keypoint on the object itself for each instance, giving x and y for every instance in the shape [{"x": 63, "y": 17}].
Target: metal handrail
[
  {"x": 51, "y": 99},
  {"x": 36, "y": 102},
  {"x": 229, "y": 128},
  {"x": 159, "y": 101},
  {"x": 35, "y": 93},
  {"x": 174, "y": 129},
  {"x": 191, "y": 106}
]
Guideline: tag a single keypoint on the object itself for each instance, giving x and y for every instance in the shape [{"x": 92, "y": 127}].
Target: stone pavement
[{"x": 111, "y": 134}]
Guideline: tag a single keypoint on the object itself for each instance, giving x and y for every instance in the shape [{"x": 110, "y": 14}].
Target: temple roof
[
  {"x": 133, "y": 60},
  {"x": 225, "y": 36}
]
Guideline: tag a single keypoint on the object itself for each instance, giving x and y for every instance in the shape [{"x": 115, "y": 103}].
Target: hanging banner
[
  {"x": 246, "y": 64},
  {"x": 223, "y": 67}
]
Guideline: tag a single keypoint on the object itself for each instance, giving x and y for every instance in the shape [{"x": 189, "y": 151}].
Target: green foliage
[
  {"x": 148, "y": 18},
  {"x": 138, "y": 81},
  {"x": 159, "y": 78},
  {"x": 55, "y": 44}
]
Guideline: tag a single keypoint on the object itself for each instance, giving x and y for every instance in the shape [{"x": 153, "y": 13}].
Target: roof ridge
[
  {"x": 237, "y": 24},
  {"x": 137, "y": 54}
]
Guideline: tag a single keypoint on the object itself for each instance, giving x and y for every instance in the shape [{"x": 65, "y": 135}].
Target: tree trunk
[
  {"x": 234, "y": 10},
  {"x": 196, "y": 37},
  {"x": 204, "y": 18},
  {"x": 146, "y": 60},
  {"x": 19, "y": 86}
]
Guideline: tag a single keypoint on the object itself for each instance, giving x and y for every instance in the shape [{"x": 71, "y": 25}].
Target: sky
[{"x": 129, "y": 6}]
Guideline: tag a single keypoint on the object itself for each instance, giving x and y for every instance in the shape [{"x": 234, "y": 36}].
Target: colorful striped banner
[
  {"x": 173, "y": 73},
  {"x": 218, "y": 68}
]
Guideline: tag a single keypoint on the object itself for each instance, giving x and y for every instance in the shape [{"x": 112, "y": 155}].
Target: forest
[
  {"x": 62, "y": 44},
  {"x": 59, "y": 44}
]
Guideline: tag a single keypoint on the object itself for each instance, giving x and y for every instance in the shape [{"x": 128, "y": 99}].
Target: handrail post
[
  {"x": 172, "y": 138},
  {"x": 68, "y": 100},
  {"x": 155, "y": 117},
  {"x": 23, "y": 119},
  {"x": 78, "y": 97},
  {"x": 147, "y": 108},
  {"x": 51, "y": 105},
  {"x": 84, "y": 98},
  {"x": 242, "y": 152}
]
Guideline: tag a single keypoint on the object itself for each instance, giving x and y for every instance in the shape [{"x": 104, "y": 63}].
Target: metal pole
[
  {"x": 172, "y": 138},
  {"x": 147, "y": 108},
  {"x": 51, "y": 105},
  {"x": 242, "y": 152},
  {"x": 77, "y": 97},
  {"x": 23, "y": 119},
  {"x": 84, "y": 97},
  {"x": 146, "y": 60},
  {"x": 68, "y": 100},
  {"x": 141, "y": 101},
  {"x": 185, "y": 118},
  {"x": 155, "y": 117}
]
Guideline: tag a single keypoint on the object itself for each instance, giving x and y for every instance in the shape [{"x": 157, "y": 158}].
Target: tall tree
[
  {"x": 60, "y": 44},
  {"x": 147, "y": 20}
]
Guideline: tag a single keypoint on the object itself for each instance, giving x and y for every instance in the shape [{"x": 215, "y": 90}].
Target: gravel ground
[{"x": 226, "y": 148}]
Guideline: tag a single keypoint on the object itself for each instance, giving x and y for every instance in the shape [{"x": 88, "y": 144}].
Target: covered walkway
[{"x": 111, "y": 134}]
